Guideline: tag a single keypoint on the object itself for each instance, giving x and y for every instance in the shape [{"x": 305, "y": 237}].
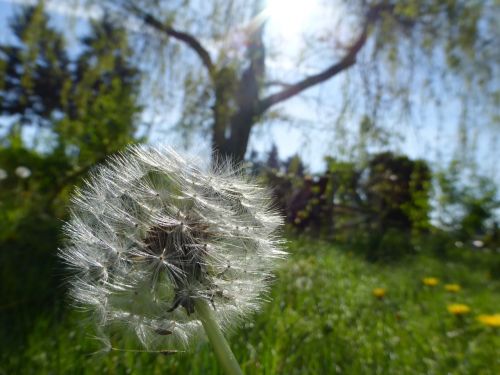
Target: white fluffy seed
[{"x": 151, "y": 231}]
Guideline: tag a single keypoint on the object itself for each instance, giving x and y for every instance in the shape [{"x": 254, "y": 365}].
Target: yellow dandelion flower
[
  {"x": 490, "y": 320},
  {"x": 430, "y": 281},
  {"x": 452, "y": 288},
  {"x": 379, "y": 292},
  {"x": 458, "y": 309}
]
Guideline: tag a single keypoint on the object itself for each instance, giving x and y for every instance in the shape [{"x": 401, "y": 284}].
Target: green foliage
[
  {"x": 102, "y": 104},
  {"x": 383, "y": 208},
  {"x": 35, "y": 69},
  {"x": 398, "y": 191},
  {"x": 321, "y": 318},
  {"x": 87, "y": 115},
  {"x": 388, "y": 246},
  {"x": 66, "y": 115},
  {"x": 418, "y": 208},
  {"x": 381, "y": 204},
  {"x": 466, "y": 204}
]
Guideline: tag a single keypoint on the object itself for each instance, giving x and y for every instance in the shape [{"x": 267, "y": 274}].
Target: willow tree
[{"x": 217, "y": 53}]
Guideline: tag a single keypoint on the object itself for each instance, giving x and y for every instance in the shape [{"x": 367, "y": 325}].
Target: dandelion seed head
[
  {"x": 151, "y": 232},
  {"x": 22, "y": 172},
  {"x": 478, "y": 243}
]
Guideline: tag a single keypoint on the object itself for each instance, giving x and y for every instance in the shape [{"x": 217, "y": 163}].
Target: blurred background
[{"x": 376, "y": 123}]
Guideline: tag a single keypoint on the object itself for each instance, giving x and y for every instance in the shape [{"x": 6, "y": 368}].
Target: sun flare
[{"x": 289, "y": 17}]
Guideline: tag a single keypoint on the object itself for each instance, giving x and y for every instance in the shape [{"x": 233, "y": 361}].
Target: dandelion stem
[{"x": 221, "y": 347}]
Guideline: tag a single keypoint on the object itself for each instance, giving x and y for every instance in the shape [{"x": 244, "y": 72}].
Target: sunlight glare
[{"x": 288, "y": 17}]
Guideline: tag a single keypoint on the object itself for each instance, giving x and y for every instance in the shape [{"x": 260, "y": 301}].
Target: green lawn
[{"x": 321, "y": 319}]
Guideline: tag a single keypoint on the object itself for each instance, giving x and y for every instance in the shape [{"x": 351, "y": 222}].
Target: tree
[
  {"x": 34, "y": 70},
  {"x": 273, "y": 161},
  {"x": 395, "y": 46},
  {"x": 101, "y": 107},
  {"x": 397, "y": 192},
  {"x": 466, "y": 202},
  {"x": 87, "y": 105}
]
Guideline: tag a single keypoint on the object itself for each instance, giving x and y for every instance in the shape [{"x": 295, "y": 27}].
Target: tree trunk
[
  {"x": 236, "y": 109},
  {"x": 233, "y": 146}
]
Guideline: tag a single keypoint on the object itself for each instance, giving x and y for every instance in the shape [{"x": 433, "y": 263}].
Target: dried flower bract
[{"x": 151, "y": 231}]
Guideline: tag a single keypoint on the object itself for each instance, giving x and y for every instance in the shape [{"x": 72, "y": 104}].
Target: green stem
[{"x": 221, "y": 347}]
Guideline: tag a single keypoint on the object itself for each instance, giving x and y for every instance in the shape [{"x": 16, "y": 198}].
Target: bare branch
[
  {"x": 347, "y": 61},
  {"x": 277, "y": 83},
  {"x": 313, "y": 80},
  {"x": 191, "y": 41}
]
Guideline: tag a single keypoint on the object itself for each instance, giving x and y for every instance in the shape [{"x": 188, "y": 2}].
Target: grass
[{"x": 321, "y": 319}]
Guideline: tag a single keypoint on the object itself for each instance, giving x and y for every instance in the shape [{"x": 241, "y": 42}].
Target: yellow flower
[
  {"x": 430, "y": 281},
  {"x": 490, "y": 320},
  {"x": 458, "y": 309},
  {"x": 452, "y": 288},
  {"x": 379, "y": 292}
]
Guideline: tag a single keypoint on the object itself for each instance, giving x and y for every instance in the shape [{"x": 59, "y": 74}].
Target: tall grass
[{"x": 321, "y": 318}]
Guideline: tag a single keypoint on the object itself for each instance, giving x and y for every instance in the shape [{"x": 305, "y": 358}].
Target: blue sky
[{"x": 312, "y": 136}]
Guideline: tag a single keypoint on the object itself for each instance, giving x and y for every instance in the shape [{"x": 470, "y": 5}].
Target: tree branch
[
  {"x": 181, "y": 36},
  {"x": 347, "y": 61},
  {"x": 277, "y": 83},
  {"x": 313, "y": 80}
]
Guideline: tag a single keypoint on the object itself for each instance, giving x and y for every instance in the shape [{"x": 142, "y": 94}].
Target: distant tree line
[{"x": 385, "y": 203}]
